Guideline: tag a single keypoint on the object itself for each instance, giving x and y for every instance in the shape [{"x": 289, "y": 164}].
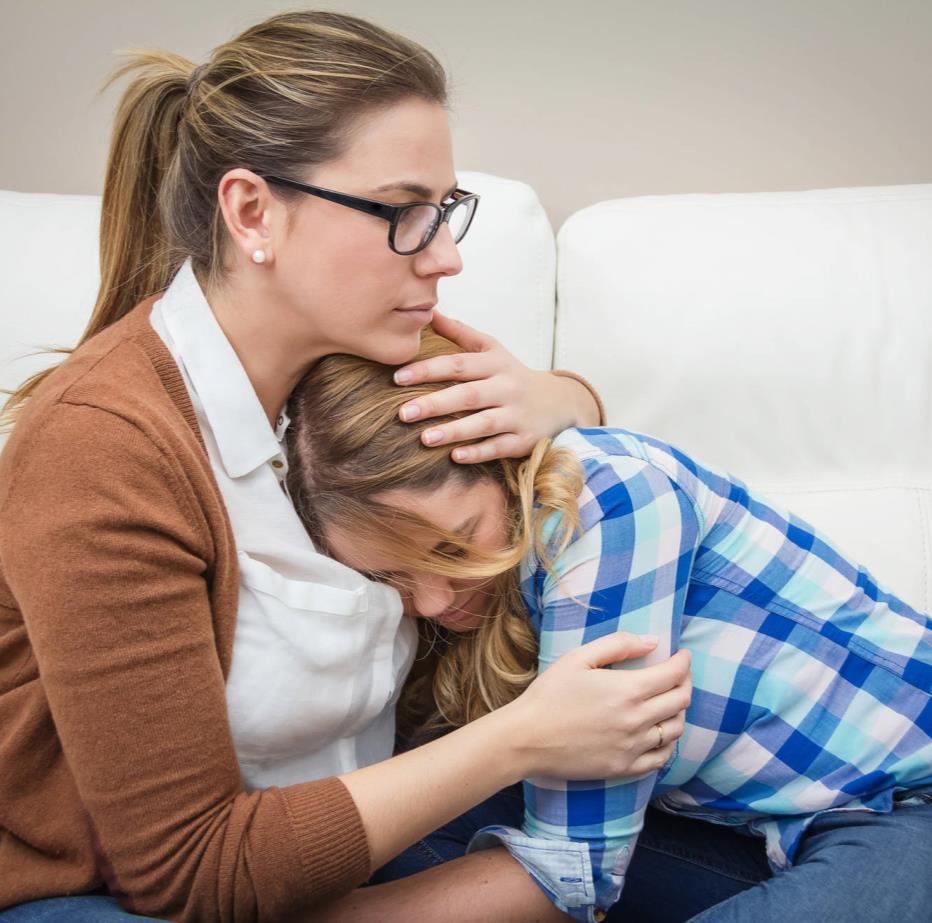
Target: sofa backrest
[{"x": 785, "y": 336}]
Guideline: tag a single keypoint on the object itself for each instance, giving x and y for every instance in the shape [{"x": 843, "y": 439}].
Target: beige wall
[{"x": 586, "y": 100}]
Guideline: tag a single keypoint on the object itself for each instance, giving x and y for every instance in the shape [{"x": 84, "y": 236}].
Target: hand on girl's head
[{"x": 513, "y": 407}]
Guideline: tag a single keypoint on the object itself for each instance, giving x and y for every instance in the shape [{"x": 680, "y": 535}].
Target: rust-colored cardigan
[{"x": 118, "y": 600}]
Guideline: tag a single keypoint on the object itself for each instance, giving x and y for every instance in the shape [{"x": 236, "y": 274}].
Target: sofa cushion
[{"x": 786, "y": 337}]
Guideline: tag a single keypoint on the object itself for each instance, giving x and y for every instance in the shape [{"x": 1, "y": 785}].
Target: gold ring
[{"x": 660, "y": 732}]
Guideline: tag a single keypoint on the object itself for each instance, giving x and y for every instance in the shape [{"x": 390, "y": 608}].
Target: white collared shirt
[{"x": 319, "y": 652}]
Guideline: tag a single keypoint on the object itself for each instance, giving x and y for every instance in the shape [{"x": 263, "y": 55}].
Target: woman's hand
[
  {"x": 576, "y": 721},
  {"x": 514, "y": 406}
]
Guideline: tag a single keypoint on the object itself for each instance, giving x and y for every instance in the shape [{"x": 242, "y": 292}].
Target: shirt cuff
[
  {"x": 561, "y": 868},
  {"x": 563, "y": 373}
]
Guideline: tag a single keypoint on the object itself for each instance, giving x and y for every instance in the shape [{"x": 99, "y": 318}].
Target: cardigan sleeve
[
  {"x": 108, "y": 554},
  {"x": 596, "y": 397}
]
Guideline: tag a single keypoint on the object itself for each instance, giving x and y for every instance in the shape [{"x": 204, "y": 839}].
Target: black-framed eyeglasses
[{"x": 412, "y": 226}]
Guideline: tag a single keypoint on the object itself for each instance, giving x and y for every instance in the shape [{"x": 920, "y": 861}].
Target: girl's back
[{"x": 811, "y": 683}]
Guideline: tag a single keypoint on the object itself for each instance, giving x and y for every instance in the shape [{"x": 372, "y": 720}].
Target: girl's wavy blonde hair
[
  {"x": 348, "y": 445},
  {"x": 282, "y": 97}
]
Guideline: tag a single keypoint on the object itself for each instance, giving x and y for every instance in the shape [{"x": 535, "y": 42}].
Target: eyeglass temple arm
[{"x": 379, "y": 209}]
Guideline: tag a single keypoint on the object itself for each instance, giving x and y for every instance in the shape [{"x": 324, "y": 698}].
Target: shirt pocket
[
  {"x": 308, "y": 668},
  {"x": 302, "y": 595}
]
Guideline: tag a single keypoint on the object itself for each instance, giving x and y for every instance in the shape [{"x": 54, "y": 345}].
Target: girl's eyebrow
[{"x": 465, "y": 530}]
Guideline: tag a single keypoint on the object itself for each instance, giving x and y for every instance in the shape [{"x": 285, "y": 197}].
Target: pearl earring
[{"x": 258, "y": 256}]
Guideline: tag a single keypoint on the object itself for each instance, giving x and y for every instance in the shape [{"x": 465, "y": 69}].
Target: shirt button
[
  {"x": 277, "y": 463},
  {"x": 280, "y": 420},
  {"x": 599, "y": 915}
]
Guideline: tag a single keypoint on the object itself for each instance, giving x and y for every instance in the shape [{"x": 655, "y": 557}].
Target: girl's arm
[
  {"x": 629, "y": 568},
  {"x": 515, "y": 407}
]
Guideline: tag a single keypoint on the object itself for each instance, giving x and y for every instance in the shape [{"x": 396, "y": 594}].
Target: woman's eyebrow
[{"x": 416, "y": 189}]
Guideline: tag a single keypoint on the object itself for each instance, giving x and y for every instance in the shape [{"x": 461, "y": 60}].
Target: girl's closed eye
[{"x": 452, "y": 551}]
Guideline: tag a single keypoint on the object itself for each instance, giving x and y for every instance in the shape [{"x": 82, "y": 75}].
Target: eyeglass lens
[{"x": 418, "y": 223}]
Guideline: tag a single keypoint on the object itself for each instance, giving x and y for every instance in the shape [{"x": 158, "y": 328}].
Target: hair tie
[{"x": 194, "y": 78}]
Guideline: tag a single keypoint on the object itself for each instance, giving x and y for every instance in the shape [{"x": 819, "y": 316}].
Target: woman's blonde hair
[
  {"x": 278, "y": 99},
  {"x": 347, "y": 446}
]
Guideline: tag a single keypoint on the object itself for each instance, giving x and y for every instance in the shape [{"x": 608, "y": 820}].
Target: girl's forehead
[
  {"x": 455, "y": 506},
  {"x": 450, "y": 506}
]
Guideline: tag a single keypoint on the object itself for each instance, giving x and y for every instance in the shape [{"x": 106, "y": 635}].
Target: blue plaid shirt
[{"x": 811, "y": 683}]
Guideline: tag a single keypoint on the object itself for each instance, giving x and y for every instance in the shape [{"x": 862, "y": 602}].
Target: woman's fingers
[
  {"x": 453, "y": 367},
  {"x": 658, "y": 744},
  {"x": 471, "y": 395},
  {"x": 485, "y": 424},
  {"x": 652, "y": 760},
  {"x": 466, "y": 337},
  {"x": 666, "y": 707},
  {"x": 507, "y": 445},
  {"x": 465, "y": 366},
  {"x": 613, "y": 648},
  {"x": 662, "y": 677}
]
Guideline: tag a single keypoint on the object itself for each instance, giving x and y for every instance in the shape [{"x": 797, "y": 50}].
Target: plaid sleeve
[{"x": 627, "y": 570}]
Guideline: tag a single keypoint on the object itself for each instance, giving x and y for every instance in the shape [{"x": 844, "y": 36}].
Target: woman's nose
[
  {"x": 441, "y": 256},
  {"x": 432, "y": 596}
]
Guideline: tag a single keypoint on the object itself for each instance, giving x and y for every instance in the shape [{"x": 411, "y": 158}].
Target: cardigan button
[{"x": 277, "y": 463}]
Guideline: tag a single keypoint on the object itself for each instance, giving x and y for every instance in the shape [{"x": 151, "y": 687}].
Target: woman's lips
[{"x": 422, "y": 313}]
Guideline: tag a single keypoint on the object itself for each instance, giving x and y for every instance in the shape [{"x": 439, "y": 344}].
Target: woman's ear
[{"x": 254, "y": 218}]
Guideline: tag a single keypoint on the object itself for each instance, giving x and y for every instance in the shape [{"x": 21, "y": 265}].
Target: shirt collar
[{"x": 239, "y": 425}]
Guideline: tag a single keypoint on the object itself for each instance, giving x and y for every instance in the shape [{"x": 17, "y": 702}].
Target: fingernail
[
  {"x": 410, "y": 412},
  {"x": 460, "y": 455},
  {"x": 431, "y": 436},
  {"x": 650, "y": 639},
  {"x": 402, "y": 377}
]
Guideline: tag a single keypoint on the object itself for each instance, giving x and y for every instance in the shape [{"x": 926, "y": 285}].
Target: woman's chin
[{"x": 395, "y": 349}]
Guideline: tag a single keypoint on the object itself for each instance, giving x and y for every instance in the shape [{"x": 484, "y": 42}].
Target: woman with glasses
[{"x": 196, "y": 705}]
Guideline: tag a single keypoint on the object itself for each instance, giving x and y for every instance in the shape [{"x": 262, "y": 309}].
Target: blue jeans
[
  {"x": 851, "y": 866},
  {"x": 85, "y": 908}
]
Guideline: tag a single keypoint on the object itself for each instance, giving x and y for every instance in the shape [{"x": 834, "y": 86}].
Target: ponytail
[{"x": 136, "y": 259}]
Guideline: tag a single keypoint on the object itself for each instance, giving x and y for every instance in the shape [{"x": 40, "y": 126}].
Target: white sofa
[{"x": 784, "y": 336}]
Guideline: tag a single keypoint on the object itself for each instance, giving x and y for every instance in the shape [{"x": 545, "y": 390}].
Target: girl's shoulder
[
  {"x": 600, "y": 447},
  {"x": 621, "y": 469},
  {"x": 648, "y": 467}
]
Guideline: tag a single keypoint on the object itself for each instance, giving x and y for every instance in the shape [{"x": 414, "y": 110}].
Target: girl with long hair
[
  {"x": 811, "y": 720},
  {"x": 196, "y": 704}
]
